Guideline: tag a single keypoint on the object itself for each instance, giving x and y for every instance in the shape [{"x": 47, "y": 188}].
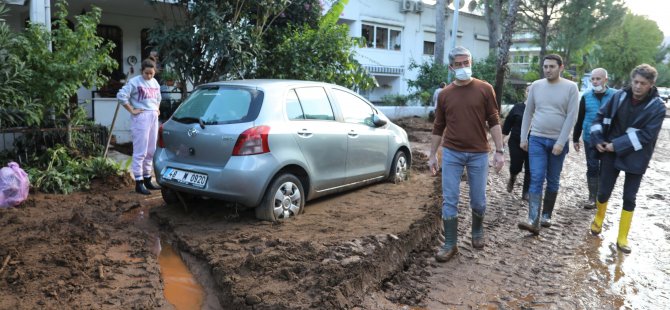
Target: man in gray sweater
[{"x": 551, "y": 112}]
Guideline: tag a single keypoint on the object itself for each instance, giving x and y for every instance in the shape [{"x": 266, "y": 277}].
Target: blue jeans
[
  {"x": 592, "y": 161},
  {"x": 453, "y": 163},
  {"x": 544, "y": 164}
]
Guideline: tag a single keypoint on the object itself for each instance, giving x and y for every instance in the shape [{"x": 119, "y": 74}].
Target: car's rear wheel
[
  {"x": 399, "y": 169},
  {"x": 283, "y": 199},
  {"x": 169, "y": 196}
]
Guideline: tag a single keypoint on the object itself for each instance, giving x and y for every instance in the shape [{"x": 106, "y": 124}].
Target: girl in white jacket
[{"x": 141, "y": 96}]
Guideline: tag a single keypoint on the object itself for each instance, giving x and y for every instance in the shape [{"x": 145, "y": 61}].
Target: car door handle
[
  {"x": 305, "y": 133},
  {"x": 353, "y": 134}
]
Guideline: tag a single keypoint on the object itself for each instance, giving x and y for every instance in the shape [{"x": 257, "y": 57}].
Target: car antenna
[{"x": 202, "y": 124}]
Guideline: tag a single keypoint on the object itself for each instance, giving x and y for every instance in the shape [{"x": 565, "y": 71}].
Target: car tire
[
  {"x": 284, "y": 198},
  {"x": 169, "y": 196},
  {"x": 399, "y": 168}
]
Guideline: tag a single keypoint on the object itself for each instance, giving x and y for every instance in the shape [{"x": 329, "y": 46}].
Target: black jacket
[{"x": 634, "y": 148}]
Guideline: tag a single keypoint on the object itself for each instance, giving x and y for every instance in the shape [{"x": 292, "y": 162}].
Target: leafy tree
[
  {"x": 217, "y": 40},
  {"x": 79, "y": 58},
  {"x": 324, "y": 54},
  {"x": 635, "y": 42},
  {"x": 539, "y": 16},
  {"x": 430, "y": 75},
  {"x": 584, "y": 21},
  {"x": 18, "y": 108}
]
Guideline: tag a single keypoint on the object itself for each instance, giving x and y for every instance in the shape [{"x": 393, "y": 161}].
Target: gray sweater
[{"x": 551, "y": 110}]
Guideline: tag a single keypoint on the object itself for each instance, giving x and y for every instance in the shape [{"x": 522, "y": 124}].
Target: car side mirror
[{"x": 377, "y": 121}]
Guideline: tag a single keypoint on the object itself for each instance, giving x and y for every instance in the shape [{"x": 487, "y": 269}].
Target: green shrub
[
  {"x": 394, "y": 100},
  {"x": 59, "y": 171}
]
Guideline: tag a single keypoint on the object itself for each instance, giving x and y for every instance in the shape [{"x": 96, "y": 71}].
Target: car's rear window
[{"x": 220, "y": 105}]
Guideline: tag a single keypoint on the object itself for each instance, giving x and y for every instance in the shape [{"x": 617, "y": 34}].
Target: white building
[{"x": 398, "y": 32}]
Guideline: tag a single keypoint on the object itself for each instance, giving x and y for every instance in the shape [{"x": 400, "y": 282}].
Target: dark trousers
[
  {"x": 592, "y": 161},
  {"x": 519, "y": 159},
  {"x": 608, "y": 176}
]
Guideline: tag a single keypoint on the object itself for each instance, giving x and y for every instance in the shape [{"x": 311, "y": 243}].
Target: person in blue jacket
[
  {"x": 589, "y": 105},
  {"x": 624, "y": 132}
]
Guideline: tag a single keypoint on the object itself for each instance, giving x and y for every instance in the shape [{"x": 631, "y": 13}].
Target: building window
[
  {"x": 428, "y": 48},
  {"x": 381, "y": 37},
  {"x": 115, "y": 35}
]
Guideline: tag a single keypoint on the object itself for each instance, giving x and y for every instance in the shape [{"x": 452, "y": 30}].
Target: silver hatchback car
[{"x": 274, "y": 144}]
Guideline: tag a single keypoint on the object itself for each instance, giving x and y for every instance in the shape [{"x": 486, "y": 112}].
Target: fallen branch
[{"x": 4, "y": 263}]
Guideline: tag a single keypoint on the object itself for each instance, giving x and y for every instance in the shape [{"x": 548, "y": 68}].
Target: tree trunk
[
  {"x": 492, "y": 24},
  {"x": 544, "y": 31},
  {"x": 503, "y": 51},
  {"x": 440, "y": 31}
]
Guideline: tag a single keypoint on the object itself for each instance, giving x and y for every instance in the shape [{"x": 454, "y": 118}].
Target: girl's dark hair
[{"x": 150, "y": 62}]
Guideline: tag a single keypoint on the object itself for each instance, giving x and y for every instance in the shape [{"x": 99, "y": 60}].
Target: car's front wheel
[
  {"x": 284, "y": 198},
  {"x": 400, "y": 168}
]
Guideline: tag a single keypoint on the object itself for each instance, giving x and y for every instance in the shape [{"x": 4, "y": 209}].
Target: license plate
[{"x": 185, "y": 177}]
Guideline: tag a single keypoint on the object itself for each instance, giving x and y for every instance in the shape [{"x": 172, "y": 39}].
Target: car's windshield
[{"x": 220, "y": 105}]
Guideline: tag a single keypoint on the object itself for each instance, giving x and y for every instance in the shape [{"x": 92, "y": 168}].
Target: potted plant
[{"x": 169, "y": 77}]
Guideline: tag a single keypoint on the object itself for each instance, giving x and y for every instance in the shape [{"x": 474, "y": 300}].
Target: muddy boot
[
  {"x": 149, "y": 185},
  {"x": 533, "y": 222},
  {"x": 510, "y": 183},
  {"x": 548, "y": 208},
  {"x": 597, "y": 224},
  {"x": 624, "y": 227},
  {"x": 477, "y": 230},
  {"x": 449, "y": 249},
  {"x": 592, "y": 183},
  {"x": 139, "y": 188}
]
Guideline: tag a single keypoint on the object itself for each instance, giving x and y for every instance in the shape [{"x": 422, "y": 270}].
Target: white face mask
[
  {"x": 598, "y": 88},
  {"x": 464, "y": 73}
]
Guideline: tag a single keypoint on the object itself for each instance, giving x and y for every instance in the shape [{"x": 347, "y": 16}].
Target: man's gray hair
[
  {"x": 646, "y": 71},
  {"x": 458, "y": 51},
  {"x": 601, "y": 70}
]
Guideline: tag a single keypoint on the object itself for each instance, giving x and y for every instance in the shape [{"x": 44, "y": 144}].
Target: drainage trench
[{"x": 187, "y": 283}]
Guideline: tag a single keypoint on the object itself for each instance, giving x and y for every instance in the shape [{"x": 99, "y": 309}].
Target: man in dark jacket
[{"x": 624, "y": 133}]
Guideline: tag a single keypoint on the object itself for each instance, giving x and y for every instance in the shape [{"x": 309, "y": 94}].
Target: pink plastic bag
[{"x": 14, "y": 185}]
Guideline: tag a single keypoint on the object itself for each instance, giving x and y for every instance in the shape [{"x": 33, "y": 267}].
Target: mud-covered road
[{"x": 367, "y": 249}]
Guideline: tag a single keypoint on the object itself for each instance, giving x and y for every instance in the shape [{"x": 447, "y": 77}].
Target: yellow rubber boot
[
  {"x": 624, "y": 227},
  {"x": 597, "y": 224}
]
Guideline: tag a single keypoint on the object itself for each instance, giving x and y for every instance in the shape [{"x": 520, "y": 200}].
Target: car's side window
[
  {"x": 353, "y": 108},
  {"x": 293, "y": 107},
  {"x": 315, "y": 103}
]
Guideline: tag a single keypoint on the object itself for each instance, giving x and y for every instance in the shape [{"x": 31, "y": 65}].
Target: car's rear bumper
[{"x": 242, "y": 180}]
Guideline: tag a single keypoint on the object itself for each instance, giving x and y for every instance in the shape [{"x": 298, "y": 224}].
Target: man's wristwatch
[{"x": 501, "y": 151}]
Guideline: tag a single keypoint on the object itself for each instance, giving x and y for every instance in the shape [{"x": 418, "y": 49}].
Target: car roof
[{"x": 268, "y": 83}]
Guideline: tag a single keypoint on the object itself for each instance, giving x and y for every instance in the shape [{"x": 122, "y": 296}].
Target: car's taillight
[
  {"x": 252, "y": 141},
  {"x": 161, "y": 143}
]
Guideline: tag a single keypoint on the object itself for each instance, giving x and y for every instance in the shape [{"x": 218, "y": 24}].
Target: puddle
[{"x": 181, "y": 288}]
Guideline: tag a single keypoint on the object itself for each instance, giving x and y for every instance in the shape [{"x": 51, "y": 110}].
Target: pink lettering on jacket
[{"x": 147, "y": 93}]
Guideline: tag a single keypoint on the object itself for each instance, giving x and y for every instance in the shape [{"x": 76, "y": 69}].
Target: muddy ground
[{"x": 368, "y": 249}]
